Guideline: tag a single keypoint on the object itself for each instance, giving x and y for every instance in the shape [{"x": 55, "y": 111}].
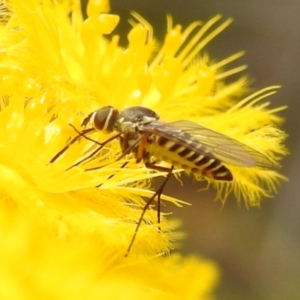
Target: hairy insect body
[
  {"x": 188, "y": 155},
  {"x": 183, "y": 144},
  {"x": 145, "y": 137}
]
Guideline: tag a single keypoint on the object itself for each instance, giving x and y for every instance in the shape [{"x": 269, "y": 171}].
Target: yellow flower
[{"x": 63, "y": 238}]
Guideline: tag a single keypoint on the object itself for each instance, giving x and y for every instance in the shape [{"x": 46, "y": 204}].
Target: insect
[{"x": 183, "y": 144}]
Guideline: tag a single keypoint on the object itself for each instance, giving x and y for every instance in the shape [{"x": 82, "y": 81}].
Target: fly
[{"x": 183, "y": 144}]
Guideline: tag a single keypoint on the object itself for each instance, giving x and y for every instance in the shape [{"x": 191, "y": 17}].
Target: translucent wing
[{"x": 221, "y": 146}]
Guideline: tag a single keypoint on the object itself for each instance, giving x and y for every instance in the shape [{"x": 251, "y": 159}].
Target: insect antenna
[{"x": 158, "y": 194}]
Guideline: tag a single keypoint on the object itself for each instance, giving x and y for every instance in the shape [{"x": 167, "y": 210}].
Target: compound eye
[{"x": 105, "y": 118}]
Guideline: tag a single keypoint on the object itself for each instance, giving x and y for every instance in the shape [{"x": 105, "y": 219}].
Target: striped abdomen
[{"x": 188, "y": 154}]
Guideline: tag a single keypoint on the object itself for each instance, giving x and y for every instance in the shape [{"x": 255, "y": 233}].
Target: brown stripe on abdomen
[
  {"x": 175, "y": 147},
  {"x": 189, "y": 154},
  {"x": 217, "y": 171},
  {"x": 194, "y": 156},
  {"x": 202, "y": 161},
  {"x": 197, "y": 159},
  {"x": 162, "y": 141},
  {"x": 212, "y": 168},
  {"x": 184, "y": 152}
]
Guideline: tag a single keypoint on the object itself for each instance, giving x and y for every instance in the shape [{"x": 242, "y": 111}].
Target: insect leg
[
  {"x": 112, "y": 175},
  {"x": 101, "y": 145},
  {"x": 158, "y": 194},
  {"x": 128, "y": 150},
  {"x": 62, "y": 151},
  {"x": 120, "y": 157},
  {"x": 161, "y": 188},
  {"x": 83, "y": 134}
]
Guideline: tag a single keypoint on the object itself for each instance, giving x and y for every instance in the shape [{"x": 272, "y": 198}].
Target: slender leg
[
  {"x": 128, "y": 150},
  {"x": 160, "y": 190},
  {"x": 83, "y": 133},
  {"x": 95, "y": 152},
  {"x": 158, "y": 194},
  {"x": 101, "y": 145},
  {"x": 120, "y": 157},
  {"x": 112, "y": 175}
]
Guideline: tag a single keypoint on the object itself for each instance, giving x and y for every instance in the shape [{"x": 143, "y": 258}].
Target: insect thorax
[{"x": 130, "y": 124}]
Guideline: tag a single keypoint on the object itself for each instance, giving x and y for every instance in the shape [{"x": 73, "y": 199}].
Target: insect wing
[{"x": 221, "y": 146}]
